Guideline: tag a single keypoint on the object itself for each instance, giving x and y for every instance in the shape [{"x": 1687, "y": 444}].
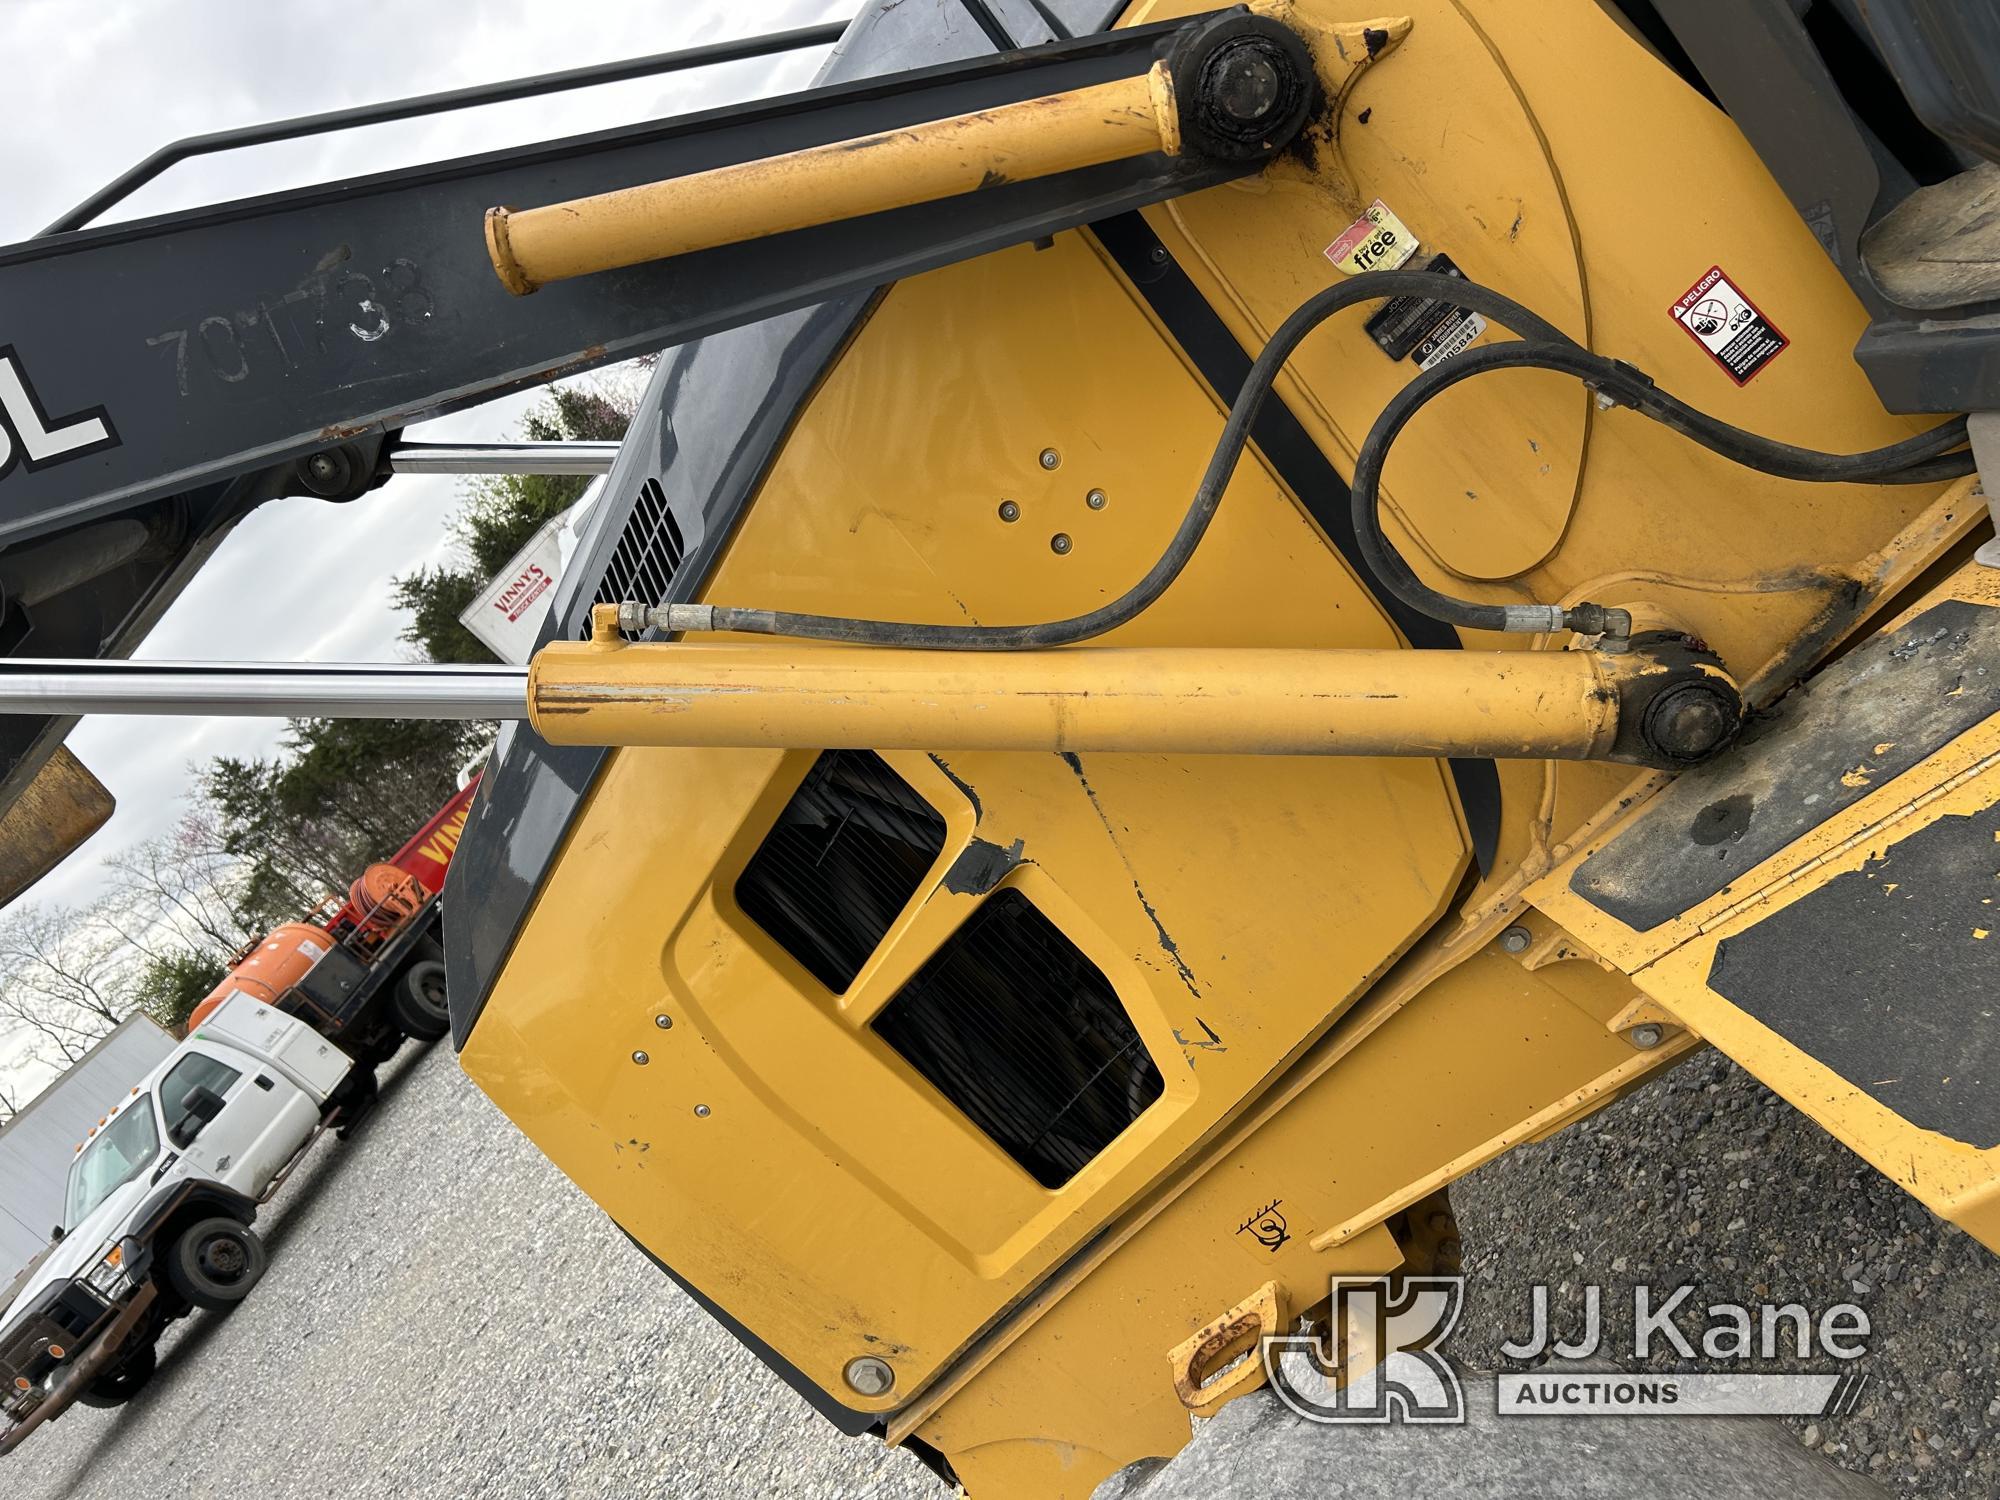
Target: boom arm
[
  {"x": 286, "y": 333},
  {"x": 159, "y": 379}
]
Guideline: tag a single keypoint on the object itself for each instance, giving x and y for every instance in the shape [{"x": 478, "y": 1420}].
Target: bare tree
[
  {"x": 181, "y": 893},
  {"x": 61, "y": 973}
]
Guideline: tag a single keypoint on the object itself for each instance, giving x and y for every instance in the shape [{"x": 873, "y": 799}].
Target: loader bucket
[{"x": 64, "y": 805}]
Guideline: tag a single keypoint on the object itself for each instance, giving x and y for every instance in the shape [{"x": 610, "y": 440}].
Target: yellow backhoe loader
[{"x": 1216, "y": 617}]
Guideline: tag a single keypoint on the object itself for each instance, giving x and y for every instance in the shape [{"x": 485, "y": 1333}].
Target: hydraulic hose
[
  {"x": 1928, "y": 457},
  {"x": 1914, "y": 460}
]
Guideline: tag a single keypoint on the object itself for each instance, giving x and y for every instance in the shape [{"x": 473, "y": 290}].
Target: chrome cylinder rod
[
  {"x": 502, "y": 458},
  {"x": 263, "y": 690}
]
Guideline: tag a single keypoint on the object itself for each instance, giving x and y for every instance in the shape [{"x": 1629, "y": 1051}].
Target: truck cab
[{"x": 159, "y": 1207}]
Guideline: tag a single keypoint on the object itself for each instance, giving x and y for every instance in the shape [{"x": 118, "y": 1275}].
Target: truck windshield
[{"x": 122, "y": 1150}]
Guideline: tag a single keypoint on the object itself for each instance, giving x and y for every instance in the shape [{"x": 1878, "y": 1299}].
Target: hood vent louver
[
  {"x": 1011, "y": 1023},
  {"x": 1008, "y": 1019},
  {"x": 650, "y": 551},
  {"x": 846, "y": 856}
]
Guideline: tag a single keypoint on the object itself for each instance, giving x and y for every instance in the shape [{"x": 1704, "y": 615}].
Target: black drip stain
[
  {"x": 1376, "y": 39},
  {"x": 1362, "y": 118},
  {"x": 1320, "y": 128},
  {"x": 964, "y": 786},
  {"x": 1167, "y": 944},
  {"x": 1721, "y": 822}
]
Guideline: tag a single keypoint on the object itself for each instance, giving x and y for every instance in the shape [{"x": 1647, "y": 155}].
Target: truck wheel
[
  {"x": 215, "y": 1263},
  {"x": 124, "y": 1382},
  {"x": 419, "y": 1001}
]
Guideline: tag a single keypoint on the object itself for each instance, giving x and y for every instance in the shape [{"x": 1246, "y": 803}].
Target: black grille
[
  {"x": 649, "y": 552},
  {"x": 76, "y": 1310},
  {"x": 846, "y": 856},
  {"x": 1012, "y": 1024}
]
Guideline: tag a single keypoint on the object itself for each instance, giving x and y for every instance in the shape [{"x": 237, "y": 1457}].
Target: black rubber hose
[
  {"x": 1925, "y": 458},
  {"x": 1889, "y": 465},
  {"x": 1914, "y": 460},
  {"x": 1207, "y": 496}
]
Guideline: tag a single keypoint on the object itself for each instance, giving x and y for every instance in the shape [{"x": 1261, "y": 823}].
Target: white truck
[{"x": 161, "y": 1198}]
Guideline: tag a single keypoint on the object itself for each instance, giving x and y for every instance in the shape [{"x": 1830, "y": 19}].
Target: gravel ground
[
  {"x": 1706, "y": 1178},
  {"x": 446, "y": 1316}
]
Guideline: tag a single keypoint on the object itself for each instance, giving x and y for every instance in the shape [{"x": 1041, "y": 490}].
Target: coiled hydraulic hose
[
  {"x": 1920, "y": 459},
  {"x": 1924, "y": 458}
]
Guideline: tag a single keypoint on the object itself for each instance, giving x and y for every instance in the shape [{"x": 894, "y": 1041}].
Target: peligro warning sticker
[
  {"x": 1731, "y": 327},
  {"x": 1377, "y": 241}
]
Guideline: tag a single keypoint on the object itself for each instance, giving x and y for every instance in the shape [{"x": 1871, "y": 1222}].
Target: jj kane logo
[{"x": 1379, "y": 1357}]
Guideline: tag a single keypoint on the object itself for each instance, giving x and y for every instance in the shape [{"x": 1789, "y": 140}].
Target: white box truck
[{"x": 159, "y": 1205}]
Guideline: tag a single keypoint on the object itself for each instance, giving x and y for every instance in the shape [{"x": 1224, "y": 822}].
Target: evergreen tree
[
  {"x": 342, "y": 794},
  {"x": 170, "y": 985}
]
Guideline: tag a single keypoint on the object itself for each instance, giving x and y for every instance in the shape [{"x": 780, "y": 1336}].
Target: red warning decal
[{"x": 1731, "y": 327}]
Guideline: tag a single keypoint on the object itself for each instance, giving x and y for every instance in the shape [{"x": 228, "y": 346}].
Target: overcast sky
[{"x": 92, "y": 88}]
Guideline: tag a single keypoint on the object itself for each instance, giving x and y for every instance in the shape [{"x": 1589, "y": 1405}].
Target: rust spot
[{"x": 594, "y": 354}]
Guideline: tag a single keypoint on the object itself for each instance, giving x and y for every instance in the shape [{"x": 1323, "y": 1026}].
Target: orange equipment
[{"x": 273, "y": 966}]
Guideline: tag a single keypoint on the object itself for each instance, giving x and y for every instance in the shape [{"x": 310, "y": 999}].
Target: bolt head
[
  {"x": 701, "y": 1111},
  {"x": 665, "y": 1023},
  {"x": 641, "y": 1058},
  {"x": 322, "y": 466},
  {"x": 1060, "y": 543},
  {"x": 1694, "y": 726},
  {"x": 1516, "y": 939},
  {"x": 1689, "y": 722},
  {"x": 1244, "y": 83},
  {"x": 870, "y": 1376},
  {"x": 1051, "y": 459},
  {"x": 1009, "y": 511},
  {"x": 1096, "y": 499},
  {"x": 1645, "y": 1037}
]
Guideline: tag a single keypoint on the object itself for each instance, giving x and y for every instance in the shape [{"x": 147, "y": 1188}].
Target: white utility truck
[{"x": 160, "y": 1201}]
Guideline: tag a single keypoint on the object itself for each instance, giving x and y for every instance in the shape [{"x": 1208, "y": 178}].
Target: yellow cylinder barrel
[
  {"x": 1182, "y": 700},
  {"x": 841, "y": 180}
]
